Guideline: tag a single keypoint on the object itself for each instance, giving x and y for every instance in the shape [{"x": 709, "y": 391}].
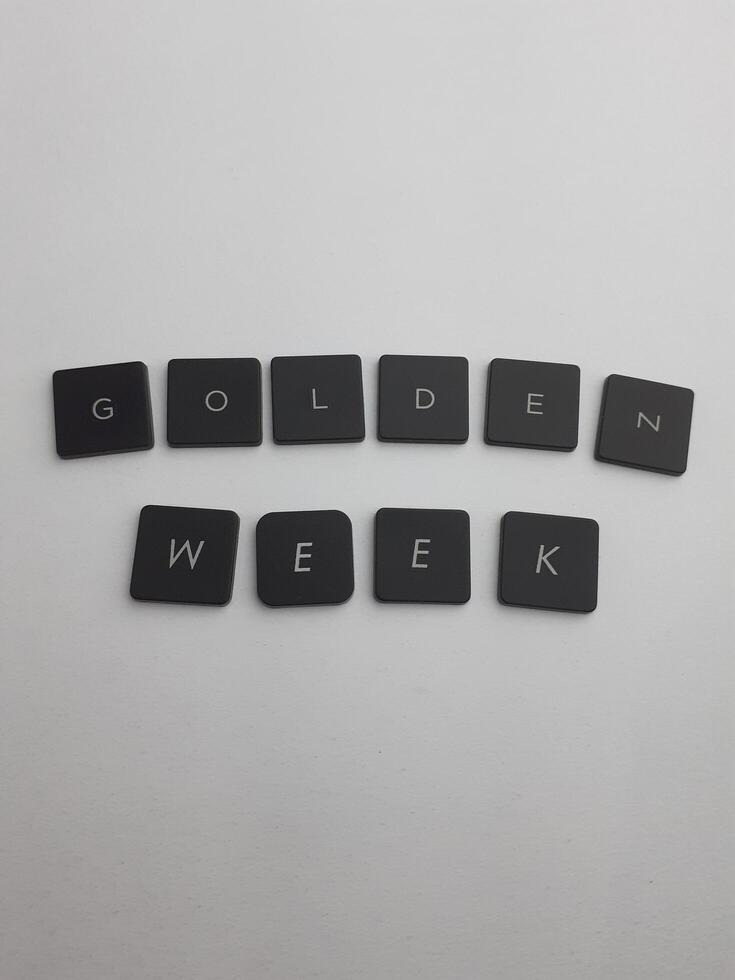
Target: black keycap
[
  {"x": 423, "y": 399},
  {"x": 645, "y": 424},
  {"x": 214, "y": 402},
  {"x": 548, "y": 562},
  {"x": 104, "y": 409},
  {"x": 422, "y": 555},
  {"x": 185, "y": 554},
  {"x": 532, "y": 404},
  {"x": 317, "y": 399},
  {"x": 304, "y": 558}
]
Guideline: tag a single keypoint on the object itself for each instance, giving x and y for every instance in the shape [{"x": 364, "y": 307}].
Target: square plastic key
[
  {"x": 645, "y": 424},
  {"x": 423, "y": 399},
  {"x": 103, "y": 409},
  {"x": 304, "y": 558},
  {"x": 422, "y": 555},
  {"x": 214, "y": 402},
  {"x": 185, "y": 554},
  {"x": 317, "y": 399},
  {"x": 532, "y": 404},
  {"x": 548, "y": 562}
]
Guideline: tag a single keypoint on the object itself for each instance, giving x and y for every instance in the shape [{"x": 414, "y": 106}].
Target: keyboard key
[
  {"x": 304, "y": 558},
  {"x": 422, "y": 555},
  {"x": 645, "y": 424},
  {"x": 532, "y": 404},
  {"x": 214, "y": 402},
  {"x": 317, "y": 399},
  {"x": 423, "y": 399},
  {"x": 104, "y": 409},
  {"x": 548, "y": 562},
  {"x": 185, "y": 554}
]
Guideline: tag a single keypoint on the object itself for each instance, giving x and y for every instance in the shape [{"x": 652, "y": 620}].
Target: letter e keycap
[
  {"x": 422, "y": 555},
  {"x": 304, "y": 558},
  {"x": 532, "y": 404}
]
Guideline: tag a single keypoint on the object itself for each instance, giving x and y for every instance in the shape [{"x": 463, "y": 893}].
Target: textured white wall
[{"x": 367, "y": 791}]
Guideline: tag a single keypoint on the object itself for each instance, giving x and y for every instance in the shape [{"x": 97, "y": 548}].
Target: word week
[{"x": 187, "y": 554}]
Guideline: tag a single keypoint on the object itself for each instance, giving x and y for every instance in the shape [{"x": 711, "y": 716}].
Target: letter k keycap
[{"x": 548, "y": 562}]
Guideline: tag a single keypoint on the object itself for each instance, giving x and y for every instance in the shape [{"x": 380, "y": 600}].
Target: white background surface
[{"x": 367, "y": 791}]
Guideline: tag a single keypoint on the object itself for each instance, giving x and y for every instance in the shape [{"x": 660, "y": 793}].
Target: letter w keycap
[{"x": 185, "y": 554}]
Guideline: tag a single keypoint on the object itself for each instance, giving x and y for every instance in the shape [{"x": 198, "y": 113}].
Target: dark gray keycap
[
  {"x": 185, "y": 554},
  {"x": 214, "y": 402},
  {"x": 304, "y": 558},
  {"x": 423, "y": 399},
  {"x": 645, "y": 424},
  {"x": 532, "y": 404},
  {"x": 317, "y": 399},
  {"x": 422, "y": 555},
  {"x": 103, "y": 409},
  {"x": 548, "y": 562}
]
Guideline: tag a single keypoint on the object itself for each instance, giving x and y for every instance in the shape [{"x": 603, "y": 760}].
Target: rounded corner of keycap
[
  {"x": 262, "y": 522},
  {"x": 263, "y": 598}
]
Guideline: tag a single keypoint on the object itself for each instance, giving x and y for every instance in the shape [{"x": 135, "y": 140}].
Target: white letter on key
[
  {"x": 185, "y": 547},
  {"x": 297, "y": 566},
  {"x": 419, "y": 551},
  {"x": 425, "y": 391},
  {"x": 313, "y": 400},
  {"x": 106, "y": 412},
  {"x": 222, "y": 396},
  {"x": 544, "y": 559},
  {"x": 530, "y": 404}
]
